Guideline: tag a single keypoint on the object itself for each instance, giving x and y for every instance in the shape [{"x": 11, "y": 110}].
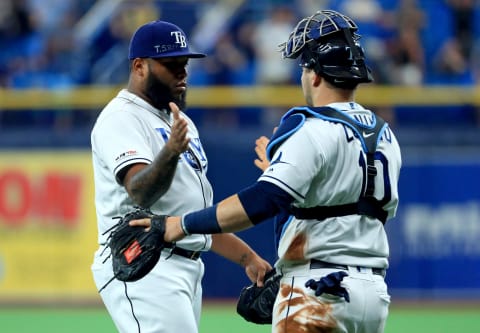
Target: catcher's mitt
[
  {"x": 255, "y": 304},
  {"x": 135, "y": 251}
]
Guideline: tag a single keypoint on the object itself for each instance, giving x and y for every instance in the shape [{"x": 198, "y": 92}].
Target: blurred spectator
[
  {"x": 227, "y": 64},
  {"x": 270, "y": 32},
  {"x": 406, "y": 49},
  {"x": 18, "y": 40},
  {"x": 463, "y": 24},
  {"x": 46, "y": 54},
  {"x": 110, "y": 65},
  {"x": 454, "y": 61},
  {"x": 245, "y": 33},
  {"x": 16, "y": 20},
  {"x": 50, "y": 14},
  {"x": 307, "y": 7},
  {"x": 363, "y": 11}
]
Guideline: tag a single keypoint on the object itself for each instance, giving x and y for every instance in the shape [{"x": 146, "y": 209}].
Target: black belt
[
  {"x": 315, "y": 264},
  {"x": 189, "y": 254}
]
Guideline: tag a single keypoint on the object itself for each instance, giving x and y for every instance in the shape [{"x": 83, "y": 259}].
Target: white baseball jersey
[
  {"x": 129, "y": 131},
  {"x": 320, "y": 165},
  {"x": 168, "y": 299}
]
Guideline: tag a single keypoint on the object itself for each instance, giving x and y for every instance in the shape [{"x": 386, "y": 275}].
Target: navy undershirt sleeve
[
  {"x": 264, "y": 200},
  {"x": 261, "y": 201}
]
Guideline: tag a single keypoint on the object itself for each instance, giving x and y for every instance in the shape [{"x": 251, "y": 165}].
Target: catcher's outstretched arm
[
  {"x": 250, "y": 206},
  {"x": 240, "y": 211},
  {"x": 227, "y": 216},
  {"x": 231, "y": 216}
]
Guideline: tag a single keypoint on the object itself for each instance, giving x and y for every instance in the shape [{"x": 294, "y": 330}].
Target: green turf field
[{"x": 221, "y": 318}]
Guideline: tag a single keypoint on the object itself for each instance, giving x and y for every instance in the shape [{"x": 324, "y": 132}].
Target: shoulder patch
[{"x": 128, "y": 153}]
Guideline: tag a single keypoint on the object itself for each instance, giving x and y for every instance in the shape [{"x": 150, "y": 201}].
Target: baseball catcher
[
  {"x": 255, "y": 304},
  {"x": 135, "y": 250}
]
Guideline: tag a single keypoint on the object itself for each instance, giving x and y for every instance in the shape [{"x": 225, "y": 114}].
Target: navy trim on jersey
[
  {"x": 122, "y": 165},
  {"x": 369, "y": 136},
  {"x": 294, "y": 119},
  {"x": 317, "y": 113},
  {"x": 126, "y": 163},
  {"x": 286, "y": 185},
  {"x": 288, "y": 126},
  {"x": 264, "y": 200}
]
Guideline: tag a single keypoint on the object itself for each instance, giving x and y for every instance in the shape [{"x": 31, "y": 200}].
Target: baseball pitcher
[{"x": 147, "y": 153}]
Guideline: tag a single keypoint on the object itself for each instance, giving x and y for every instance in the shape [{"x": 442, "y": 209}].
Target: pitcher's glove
[
  {"x": 255, "y": 304},
  {"x": 135, "y": 251}
]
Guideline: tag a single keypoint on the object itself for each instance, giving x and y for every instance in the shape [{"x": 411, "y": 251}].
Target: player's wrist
[
  {"x": 182, "y": 226},
  {"x": 173, "y": 229},
  {"x": 172, "y": 152},
  {"x": 202, "y": 222}
]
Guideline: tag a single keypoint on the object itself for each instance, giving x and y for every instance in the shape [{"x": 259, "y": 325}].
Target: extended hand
[
  {"x": 256, "y": 269},
  {"x": 178, "y": 141},
  {"x": 261, "y": 149},
  {"x": 173, "y": 229}
]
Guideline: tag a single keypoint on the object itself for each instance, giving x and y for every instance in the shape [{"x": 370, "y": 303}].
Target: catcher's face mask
[
  {"x": 314, "y": 27},
  {"x": 328, "y": 43}
]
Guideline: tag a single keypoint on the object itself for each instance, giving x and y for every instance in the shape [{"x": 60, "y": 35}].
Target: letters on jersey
[{"x": 369, "y": 136}]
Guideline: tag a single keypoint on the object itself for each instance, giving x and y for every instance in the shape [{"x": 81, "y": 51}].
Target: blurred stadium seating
[{"x": 84, "y": 42}]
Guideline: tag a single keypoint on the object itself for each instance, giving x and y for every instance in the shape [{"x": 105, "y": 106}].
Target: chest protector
[{"x": 369, "y": 136}]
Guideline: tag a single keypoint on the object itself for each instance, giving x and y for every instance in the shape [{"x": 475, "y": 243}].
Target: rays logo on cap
[
  {"x": 180, "y": 41},
  {"x": 179, "y": 38},
  {"x": 158, "y": 39}
]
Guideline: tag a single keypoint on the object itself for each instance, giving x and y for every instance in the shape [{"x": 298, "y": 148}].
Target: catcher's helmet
[{"x": 328, "y": 43}]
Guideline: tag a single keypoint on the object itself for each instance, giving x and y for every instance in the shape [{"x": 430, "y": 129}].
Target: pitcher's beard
[{"x": 160, "y": 94}]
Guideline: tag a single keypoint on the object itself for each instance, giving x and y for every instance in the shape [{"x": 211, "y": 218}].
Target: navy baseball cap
[{"x": 160, "y": 39}]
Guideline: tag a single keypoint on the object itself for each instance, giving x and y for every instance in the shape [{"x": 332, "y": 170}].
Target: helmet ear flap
[
  {"x": 308, "y": 60},
  {"x": 337, "y": 62},
  {"x": 312, "y": 64}
]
